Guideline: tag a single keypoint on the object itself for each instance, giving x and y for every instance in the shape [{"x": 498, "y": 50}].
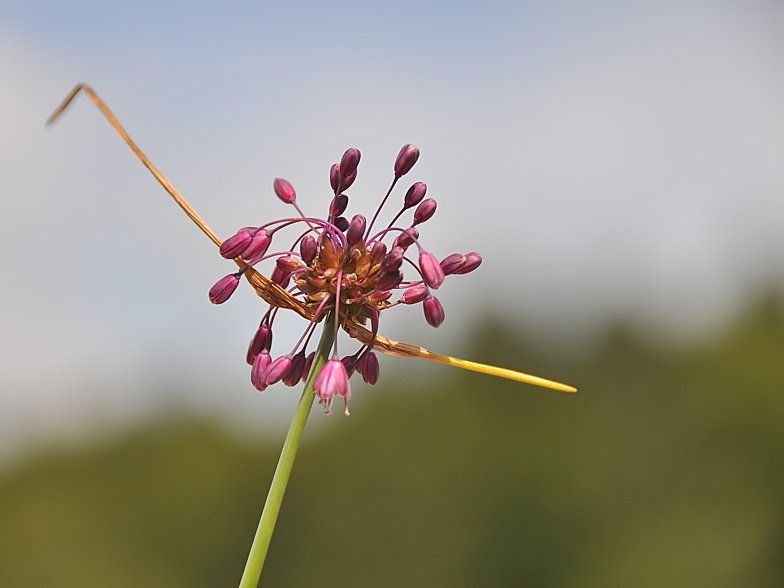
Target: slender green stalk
[{"x": 258, "y": 550}]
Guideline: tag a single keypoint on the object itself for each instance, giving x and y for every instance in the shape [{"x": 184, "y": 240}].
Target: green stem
[{"x": 258, "y": 550}]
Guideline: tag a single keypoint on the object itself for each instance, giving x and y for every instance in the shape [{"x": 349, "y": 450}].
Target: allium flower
[
  {"x": 342, "y": 267},
  {"x": 337, "y": 265},
  {"x": 342, "y": 271}
]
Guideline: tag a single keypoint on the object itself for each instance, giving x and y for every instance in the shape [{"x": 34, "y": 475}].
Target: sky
[{"x": 612, "y": 160}]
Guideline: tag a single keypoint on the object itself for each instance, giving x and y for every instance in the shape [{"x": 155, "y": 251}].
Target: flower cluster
[{"x": 342, "y": 266}]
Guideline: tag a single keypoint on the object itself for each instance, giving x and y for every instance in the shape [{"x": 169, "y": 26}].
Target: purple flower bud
[
  {"x": 260, "y": 365},
  {"x": 356, "y": 229},
  {"x": 379, "y": 296},
  {"x": 341, "y": 223},
  {"x": 295, "y": 372},
  {"x": 287, "y": 263},
  {"x": 280, "y": 277},
  {"x": 406, "y": 159},
  {"x": 224, "y": 288},
  {"x": 431, "y": 270},
  {"x": 393, "y": 260},
  {"x": 434, "y": 312},
  {"x": 346, "y": 181},
  {"x": 277, "y": 370},
  {"x": 349, "y": 362},
  {"x": 415, "y": 294},
  {"x": 377, "y": 252},
  {"x": 332, "y": 380},
  {"x": 339, "y": 205},
  {"x": 368, "y": 368},
  {"x": 415, "y": 194},
  {"x": 349, "y": 162},
  {"x": 284, "y": 190},
  {"x": 261, "y": 340},
  {"x": 406, "y": 238},
  {"x": 451, "y": 263},
  {"x": 390, "y": 280},
  {"x": 258, "y": 246},
  {"x": 236, "y": 244},
  {"x": 308, "y": 248},
  {"x": 473, "y": 260},
  {"x": 308, "y": 365},
  {"x": 424, "y": 211},
  {"x": 334, "y": 177},
  {"x": 340, "y": 181}
]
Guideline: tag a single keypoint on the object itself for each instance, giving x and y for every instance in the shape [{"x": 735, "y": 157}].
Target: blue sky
[{"x": 611, "y": 159}]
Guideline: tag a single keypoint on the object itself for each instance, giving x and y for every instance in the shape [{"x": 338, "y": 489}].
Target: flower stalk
[{"x": 261, "y": 541}]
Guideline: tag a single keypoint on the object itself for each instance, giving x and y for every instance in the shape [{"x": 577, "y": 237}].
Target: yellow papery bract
[{"x": 504, "y": 373}]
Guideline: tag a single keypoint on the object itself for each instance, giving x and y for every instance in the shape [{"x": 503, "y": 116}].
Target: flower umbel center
[{"x": 341, "y": 266}]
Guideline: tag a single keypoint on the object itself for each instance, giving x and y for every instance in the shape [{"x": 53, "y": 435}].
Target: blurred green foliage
[{"x": 664, "y": 470}]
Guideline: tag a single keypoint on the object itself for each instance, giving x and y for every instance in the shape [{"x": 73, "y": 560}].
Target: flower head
[
  {"x": 343, "y": 267},
  {"x": 339, "y": 268}
]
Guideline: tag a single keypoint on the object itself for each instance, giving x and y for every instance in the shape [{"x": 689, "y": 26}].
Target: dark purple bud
[
  {"x": 451, "y": 263},
  {"x": 277, "y": 370},
  {"x": 368, "y": 368},
  {"x": 332, "y": 380},
  {"x": 224, "y": 288},
  {"x": 406, "y": 159},
  {"x": 356, "y": 229},
  {"x": 379, "y": 296},
  {"x": 377, "y": 252},
  {"x": 295, "y": 372},
  {"x": 236, "y": 244},
  {"x": 338, "y": 180},
  {"x": 280, "y": 277},
  {"x": 431, "y": 270},
  {"x": 393, "y": 260},
  {"x": 261, "y": 340},
  {"x": 424, "y": 211},
  {"x": 284, "y": 190},
  {"x": 390, "y": 280},
  {"x": 346, "y": 181},
  {"x": 308, "y": 365},
  {"x": 473, "y": 260},
  {"x": 339, "y": 205},
  {"x": 349, "y": 162},
  {"x": 349, "y": 362},
  {"x": 434, "y": 312},
  {"x": 341, "y": 223},
  {"x": 287, "y": 263},
  {"x": 258, "y": 246},
  {"x": 415, "y": 194},
  {"x": 308, "y": 249},
  {"x": 406, "y": 238},
  {"x": 334, "y": 177},
  {"x": 415, "y": 294},
  {"x": 260, "y": 365}
]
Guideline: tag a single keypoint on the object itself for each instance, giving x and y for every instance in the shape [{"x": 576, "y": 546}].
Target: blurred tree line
[{"x": 664, "y": 470}]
